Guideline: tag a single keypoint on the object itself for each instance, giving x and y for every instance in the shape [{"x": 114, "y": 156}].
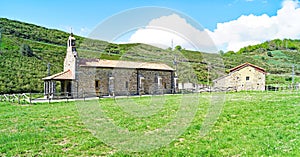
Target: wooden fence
[{"x": 16, "y": 98}]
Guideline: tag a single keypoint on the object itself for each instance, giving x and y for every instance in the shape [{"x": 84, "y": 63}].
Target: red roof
[
  {"x": 248, "y": 64},
  {"x": 123, "y": 64},
  {"x": 66, "y": 75}
]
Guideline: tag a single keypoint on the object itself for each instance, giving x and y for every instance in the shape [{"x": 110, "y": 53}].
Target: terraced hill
[{"x": 26, "y": 49}]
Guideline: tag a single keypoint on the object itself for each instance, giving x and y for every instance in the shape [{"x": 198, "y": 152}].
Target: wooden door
[{"x": 97, "y": 87}]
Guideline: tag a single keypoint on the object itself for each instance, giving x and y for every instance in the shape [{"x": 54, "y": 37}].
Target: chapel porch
[{"x": 65, "y": 78}]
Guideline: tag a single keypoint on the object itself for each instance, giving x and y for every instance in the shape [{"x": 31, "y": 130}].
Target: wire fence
[
  {"x": 25, "y": 98},
  {"x": 30, "y": 98}
]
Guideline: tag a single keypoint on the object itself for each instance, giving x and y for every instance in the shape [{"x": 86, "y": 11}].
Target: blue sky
[
  {"x": 84, "y": 16},
  {"x": 87, "y": 14}
]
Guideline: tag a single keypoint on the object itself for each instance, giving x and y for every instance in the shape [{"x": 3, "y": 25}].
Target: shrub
[
  {"x": 25, "y": 50},
  {"x": 269, "y": 53}
]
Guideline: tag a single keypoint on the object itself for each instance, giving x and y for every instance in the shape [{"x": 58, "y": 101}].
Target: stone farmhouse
[
  {"x": 95, "y": 77},
  {"x": 243, "y": 77}
]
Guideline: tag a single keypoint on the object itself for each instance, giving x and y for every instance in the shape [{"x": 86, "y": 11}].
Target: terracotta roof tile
[
  {"x": 247, "y": 64},
  {"x": 123, "y": 64},
  {"x": 66, "y": 75}
]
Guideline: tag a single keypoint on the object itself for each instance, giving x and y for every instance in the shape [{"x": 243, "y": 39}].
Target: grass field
[{"x": 251, "y": 124}]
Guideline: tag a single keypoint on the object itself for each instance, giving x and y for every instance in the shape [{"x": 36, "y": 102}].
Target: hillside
[
  {"x": 21, "y": 69},
  {"x": 277, "y": 56},
  {"x": 26, "y": 49}
]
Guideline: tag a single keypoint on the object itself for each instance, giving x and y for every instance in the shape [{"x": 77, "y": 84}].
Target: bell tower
[
  {"x": 70, "y": 62},
  {"x": 72, "y": 45}
]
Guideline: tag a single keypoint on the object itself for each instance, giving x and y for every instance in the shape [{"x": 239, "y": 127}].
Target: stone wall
[
  {"x": 125, "y": 81},
  {"x": 237, "y": 80},
  {"x": 120, "y": 81},
  {"x": 85, "y": 78},
  {"x": 151, "y": 86},
  {"x": 256, "y": 79}
]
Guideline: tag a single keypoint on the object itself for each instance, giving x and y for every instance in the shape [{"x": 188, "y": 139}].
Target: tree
[
  {"x": 169, "y": 49},
  {"x": 269, "y": 53},
  {"x": 221, "y": 52},
  {"x": 229, "y": 53},
  {"x": 178, "y": 47},
  {"x": 25, "y": 50}
]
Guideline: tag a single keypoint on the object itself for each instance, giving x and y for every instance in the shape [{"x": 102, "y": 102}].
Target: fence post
[
  {"x": 67, "y": 96},
  {"x": 30, "y": 98},
  {"x": 18, "y": 98}
]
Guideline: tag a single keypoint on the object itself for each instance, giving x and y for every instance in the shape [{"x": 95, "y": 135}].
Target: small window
[
  {"x": 164, "y": 85},
  {"x": 176, "y": 82},
  {"x": 141, "y": 80},
  {"x": 97, "y": 84},
  {"x": 73, "y": 42},
  {"x": 158, "y": 80},
  {"x": 111, "y": 83},
  {"x": 247, "y": 78},
  {"x": 126, "y": 84}
]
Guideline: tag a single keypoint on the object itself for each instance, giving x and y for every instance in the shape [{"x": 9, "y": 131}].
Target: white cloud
[
  {"x": 159, "y": 37},
  {"x": 232, "y": 35},
  {"x": 84, "y": 31},
  {"x": 162, "y": 31},
  {"x": 251, "y": 29},
  {"x": 78, "y": 31}
]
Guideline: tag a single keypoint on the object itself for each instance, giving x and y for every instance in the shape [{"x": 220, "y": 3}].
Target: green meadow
[{"x": 250, "y": 124}]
